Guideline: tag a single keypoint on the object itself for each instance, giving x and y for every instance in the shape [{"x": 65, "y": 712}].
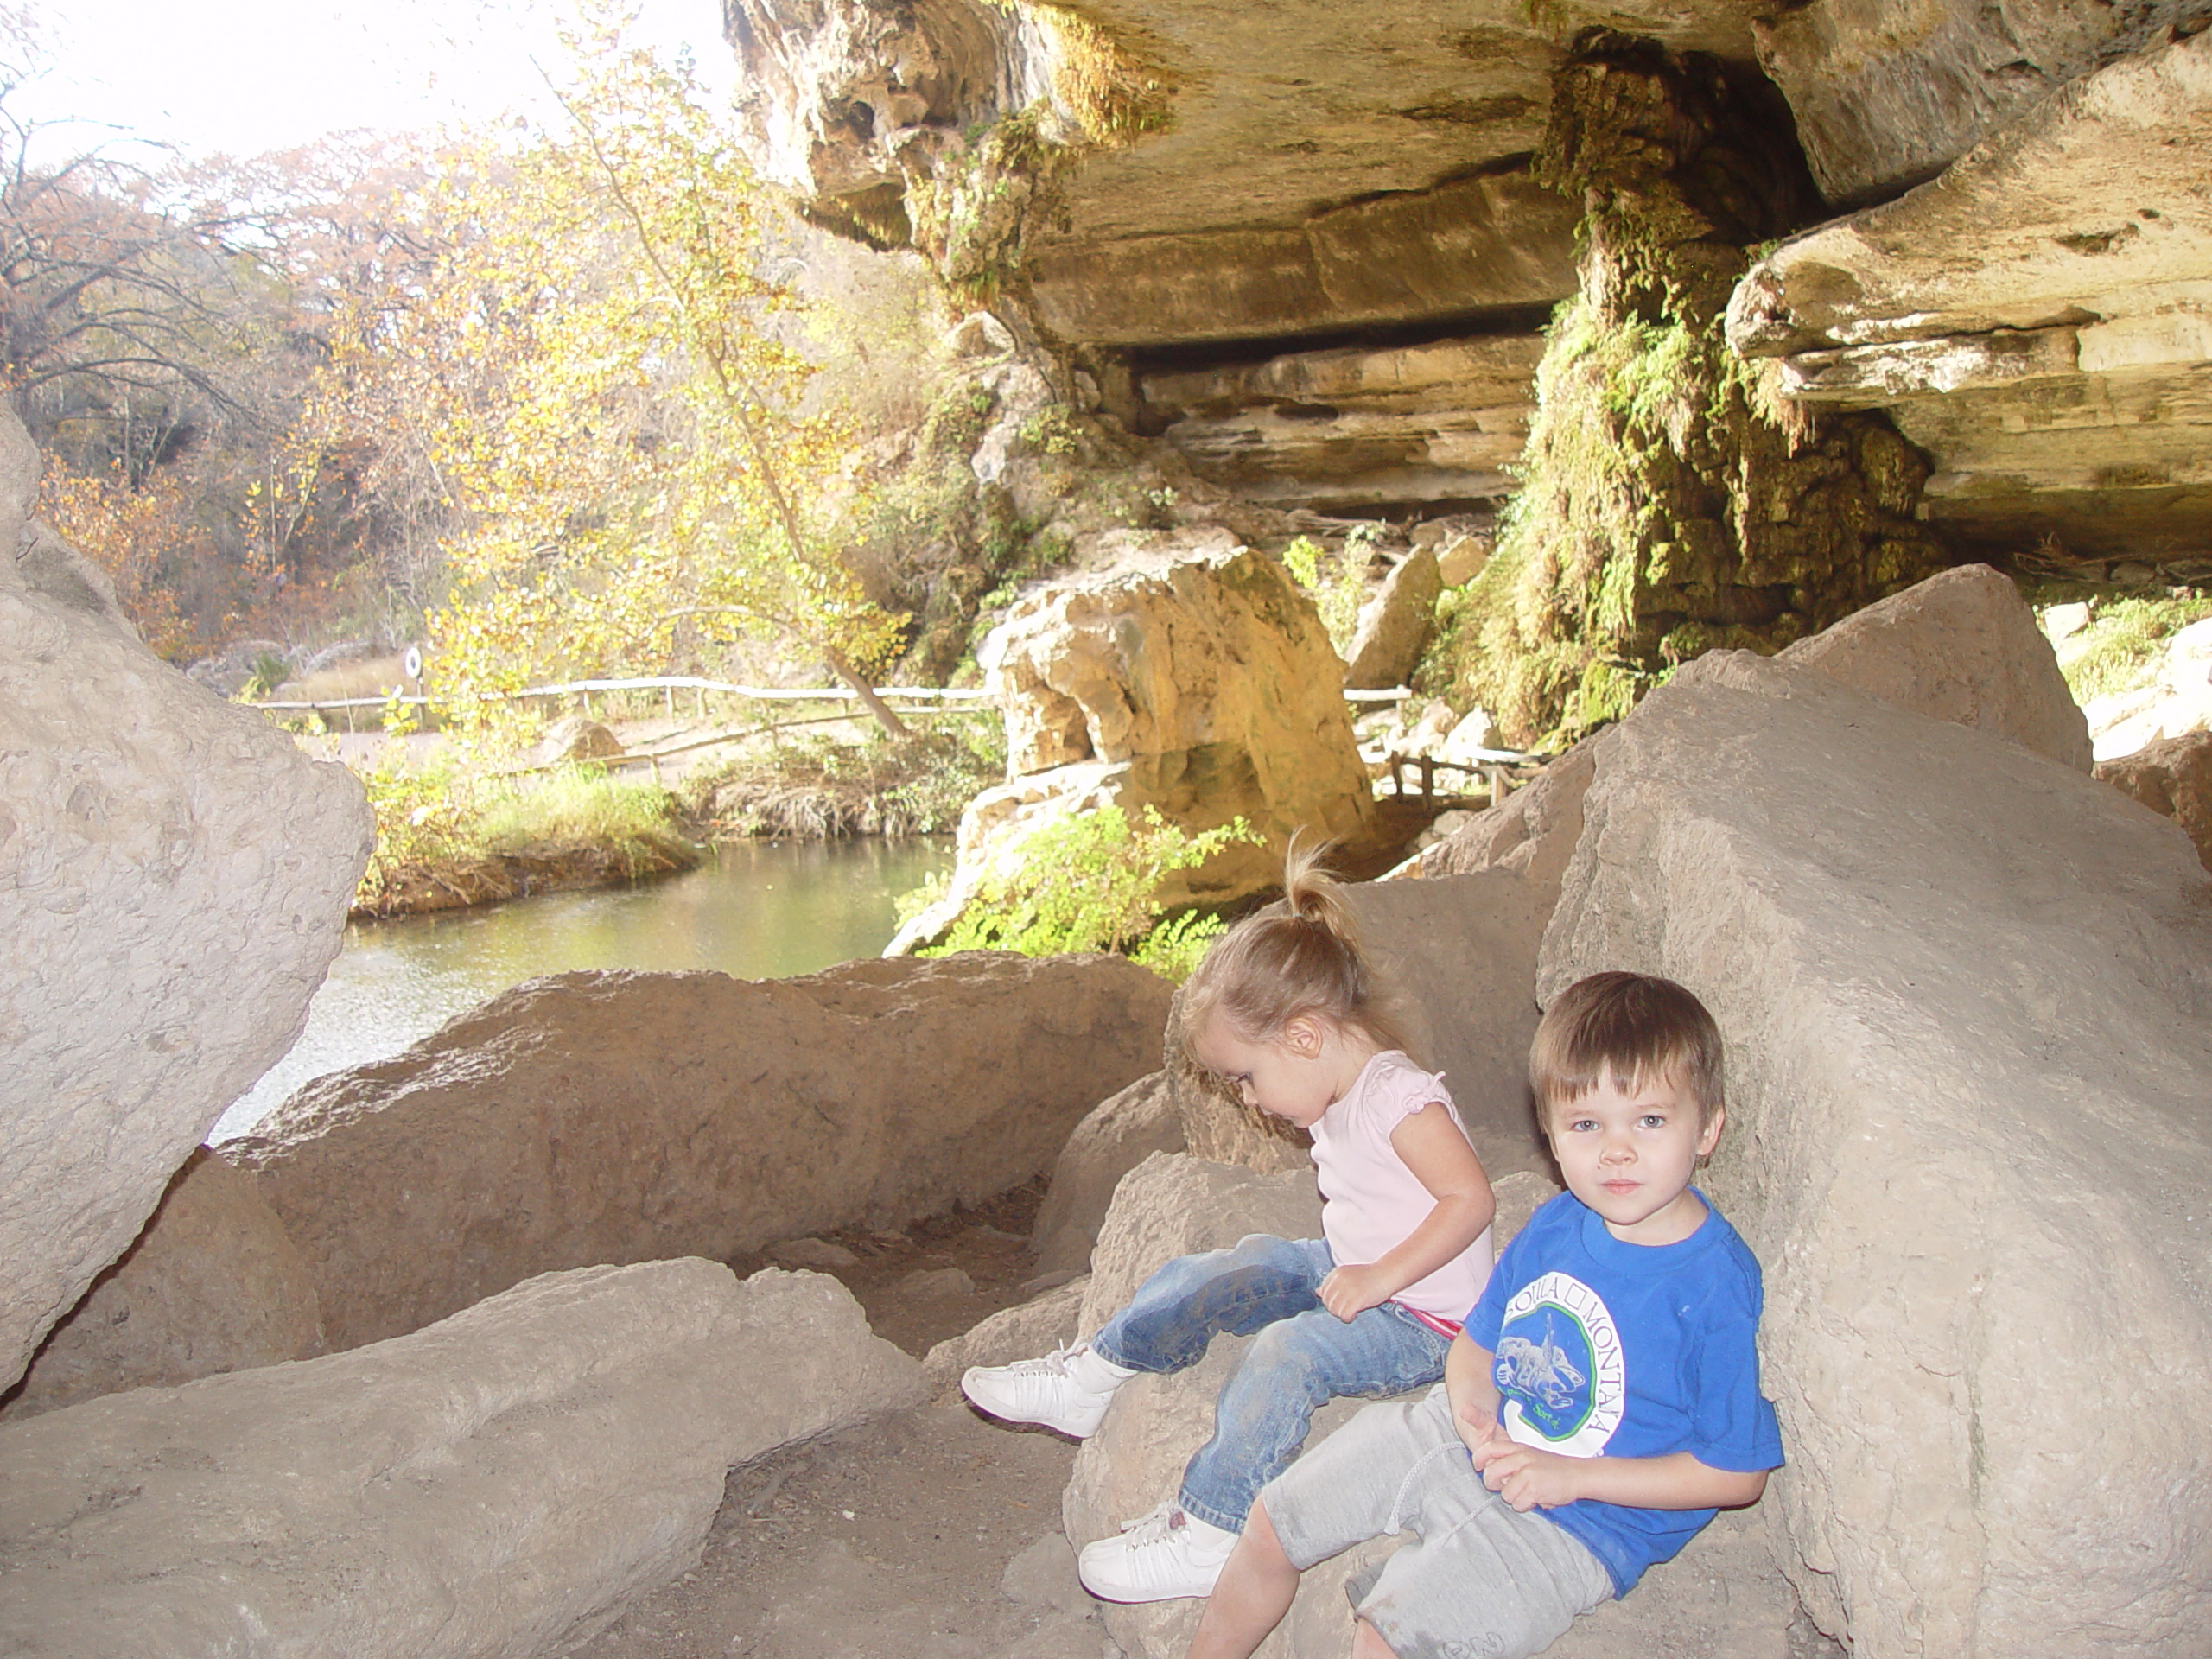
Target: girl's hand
[
  {"x": 1524, "y": 1477},
  {"x": 1349, "y": 1291}
]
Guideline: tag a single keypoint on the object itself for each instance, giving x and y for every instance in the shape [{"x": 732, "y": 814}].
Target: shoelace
[
  {"x": 1053, "y": 1365},
  {"x": 1153, "y": 1527}
]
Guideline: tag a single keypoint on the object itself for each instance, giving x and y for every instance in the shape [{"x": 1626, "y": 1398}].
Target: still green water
[{"x": 757, "y": 910}]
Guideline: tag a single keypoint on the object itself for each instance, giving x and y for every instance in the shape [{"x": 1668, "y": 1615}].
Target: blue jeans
[{"x": 1305, "y": 1356}]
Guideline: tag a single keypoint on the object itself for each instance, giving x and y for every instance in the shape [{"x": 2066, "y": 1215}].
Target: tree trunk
[{"x": 884, "y": 715}]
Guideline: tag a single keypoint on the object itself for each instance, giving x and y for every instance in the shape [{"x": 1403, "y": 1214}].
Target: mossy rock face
[{"x": 1669, "y": 507}]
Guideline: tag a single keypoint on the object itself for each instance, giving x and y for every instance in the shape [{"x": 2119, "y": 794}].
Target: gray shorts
[{"x": 1477, "y": 1580}]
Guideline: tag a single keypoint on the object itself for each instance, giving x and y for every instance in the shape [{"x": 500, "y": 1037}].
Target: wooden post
[{"x": 668, "y": 697}]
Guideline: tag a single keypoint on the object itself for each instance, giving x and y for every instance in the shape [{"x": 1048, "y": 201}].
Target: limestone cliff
[{"x": 1311, "y": 251}]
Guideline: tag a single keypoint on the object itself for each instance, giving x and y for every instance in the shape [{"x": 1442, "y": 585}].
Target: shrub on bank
[
  {"x": 447, "y": 838},
  {"x": 827, "y": 789},
  {"x": 1090, "y": 883}
]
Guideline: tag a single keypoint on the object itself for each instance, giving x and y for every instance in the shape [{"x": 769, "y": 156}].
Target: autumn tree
[
  {"x": 148, "y": 343},
  {"x": 574, "y": 333}
]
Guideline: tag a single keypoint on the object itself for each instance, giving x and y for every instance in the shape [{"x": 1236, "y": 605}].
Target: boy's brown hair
[{"x": 1633, "y": 1027}]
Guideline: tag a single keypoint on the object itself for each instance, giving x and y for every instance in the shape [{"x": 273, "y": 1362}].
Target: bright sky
[{"x": 246, "y": 76}]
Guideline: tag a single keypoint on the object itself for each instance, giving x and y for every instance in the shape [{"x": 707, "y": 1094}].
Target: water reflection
[{"x": 759, "y": 910}]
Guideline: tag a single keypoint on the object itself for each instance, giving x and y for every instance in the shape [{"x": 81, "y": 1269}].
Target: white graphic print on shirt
[{"x": 1558, "y": 1367}]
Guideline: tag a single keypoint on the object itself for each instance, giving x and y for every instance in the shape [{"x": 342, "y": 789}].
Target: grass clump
[
  {"x": 1336, "y": 581},
  {"x": 1091, "y": 882},
  {"x": 2125, "y": 641},
  {"x": 828, "y": 789},
  {"x": 448, "y": 838}
]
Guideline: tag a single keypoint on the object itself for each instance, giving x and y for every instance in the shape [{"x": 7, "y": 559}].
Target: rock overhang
[
  {"x": 2038, "y": 318},
  {"x": 1312, "y": 172}
]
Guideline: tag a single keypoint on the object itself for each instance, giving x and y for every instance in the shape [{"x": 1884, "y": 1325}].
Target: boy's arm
[
  {"x": 1432, "y": 1147},
  {"x": 1529, "y": 1479},
  {"x": 1468, "y": 1386}
]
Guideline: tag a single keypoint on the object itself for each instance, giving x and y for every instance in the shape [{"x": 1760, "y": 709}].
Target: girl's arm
[{"x": 1431, "y": 1145}]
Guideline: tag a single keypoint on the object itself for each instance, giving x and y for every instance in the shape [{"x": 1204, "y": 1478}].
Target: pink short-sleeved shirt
[{"x": 1372, "y": 1201}]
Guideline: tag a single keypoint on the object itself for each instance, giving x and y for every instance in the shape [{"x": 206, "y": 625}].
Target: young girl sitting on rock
[{"x": 1287, "y": 1008}]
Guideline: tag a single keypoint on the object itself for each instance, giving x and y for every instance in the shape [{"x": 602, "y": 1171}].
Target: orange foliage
[{"x": 137, "y": 537}]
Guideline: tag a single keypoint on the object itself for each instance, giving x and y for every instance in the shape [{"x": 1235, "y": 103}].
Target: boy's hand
[
  {"x": 1524, "y": 1477},
  {"x": 1478, "y": 1426},
  {"x": 1349, "y": 1291}
]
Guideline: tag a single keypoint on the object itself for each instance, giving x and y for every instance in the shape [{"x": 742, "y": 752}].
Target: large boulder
[
  {"x": 1396, "y": 624},
  {"x": 1211, "y": 680},
  {"x": 1962, "y": 645},
  {"x": 624, "y": 1117},
  {"x": 1202, "y": 686},
  {"x": 1965, "y": 990},
  {"x": 1460, "y": 953},
  {"x": 165, "y": 926},
  {"x": 499, "y": 1484},
  {"x": 1120, "y": 1133},
  {"x": 2173, "y": 778},
  {"x": 213, "y": 1284}
]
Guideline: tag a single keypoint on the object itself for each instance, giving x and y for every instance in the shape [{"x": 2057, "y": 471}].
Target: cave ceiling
[{"x": 1340, "y": 197}]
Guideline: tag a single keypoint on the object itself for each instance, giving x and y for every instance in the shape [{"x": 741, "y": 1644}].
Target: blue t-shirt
[{"x": 1631, "y": 1351}]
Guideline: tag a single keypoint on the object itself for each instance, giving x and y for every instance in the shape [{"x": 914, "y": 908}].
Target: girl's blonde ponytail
[{"x": 1271, "y": 968}]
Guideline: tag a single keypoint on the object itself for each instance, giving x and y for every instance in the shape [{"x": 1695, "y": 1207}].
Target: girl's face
[{"x": 1296, "y": 1075}]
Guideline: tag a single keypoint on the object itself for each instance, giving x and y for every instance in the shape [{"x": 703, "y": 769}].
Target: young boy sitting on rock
[{"x": 1601, "y": 1404}]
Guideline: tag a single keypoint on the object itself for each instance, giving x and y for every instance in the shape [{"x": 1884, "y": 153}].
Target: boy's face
[{"x": 1629, "y": 1153}]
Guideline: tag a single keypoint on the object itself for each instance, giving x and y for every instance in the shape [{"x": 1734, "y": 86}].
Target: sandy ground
[{"x": 926, "y": 1535}]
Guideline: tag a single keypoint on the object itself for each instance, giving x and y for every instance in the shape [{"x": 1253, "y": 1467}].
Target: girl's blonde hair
[{"x": 1270, "y": 968}]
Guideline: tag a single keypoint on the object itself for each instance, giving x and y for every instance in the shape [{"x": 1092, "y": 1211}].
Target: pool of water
[{"x": 757, "y": 910}]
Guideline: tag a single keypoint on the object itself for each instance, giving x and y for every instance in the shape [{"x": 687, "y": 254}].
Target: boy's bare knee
[
  {"x": 1368, "y": 1643},
  {"x": 1260, "y": 1537}
]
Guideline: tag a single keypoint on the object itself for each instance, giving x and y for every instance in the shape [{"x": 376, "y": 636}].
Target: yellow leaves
[{"x": 580, "y": 343}]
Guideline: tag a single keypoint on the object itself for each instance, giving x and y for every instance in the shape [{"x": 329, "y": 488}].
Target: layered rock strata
[
  {"x": 2038, "y": 319},
  {"x": 1355, "y": 428},
  {"x": 500, "y": 1483},
  {"x": 165, "y": 927},
  {"x": 625, "y": 1116},
  {"x": 1965, "y": 992}
]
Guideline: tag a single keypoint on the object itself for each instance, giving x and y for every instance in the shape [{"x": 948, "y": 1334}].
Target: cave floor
[{"x": 890, "y": 1539}]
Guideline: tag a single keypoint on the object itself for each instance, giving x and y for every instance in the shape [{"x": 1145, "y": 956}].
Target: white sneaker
[
  {"x": 1068, "y": 1389},
  {"x": 1158, "y": 1557}
]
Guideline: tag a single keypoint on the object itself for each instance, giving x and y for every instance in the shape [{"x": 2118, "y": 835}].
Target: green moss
[{"x": 1670, "y": 502}]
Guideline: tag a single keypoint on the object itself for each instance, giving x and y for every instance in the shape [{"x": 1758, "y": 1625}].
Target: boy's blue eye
[{"x": 1653, "y": 1120}]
